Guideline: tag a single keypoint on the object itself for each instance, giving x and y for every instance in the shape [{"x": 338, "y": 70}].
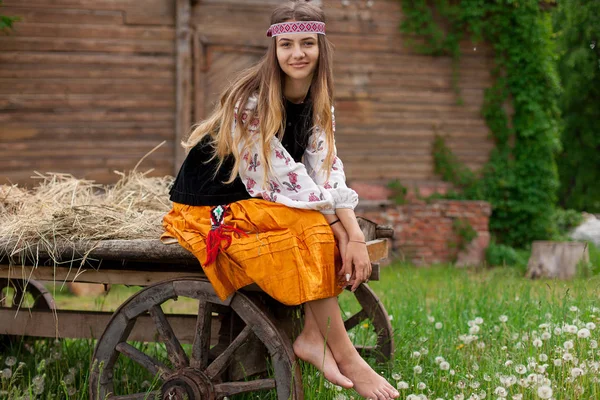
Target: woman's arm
[{"x": 356, "y": 257}]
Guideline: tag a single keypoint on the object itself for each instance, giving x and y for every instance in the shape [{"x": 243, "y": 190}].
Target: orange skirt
[{"x": 291, "y": 254}]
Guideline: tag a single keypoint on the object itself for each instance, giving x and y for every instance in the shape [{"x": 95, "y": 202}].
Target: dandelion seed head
[
  {"x": 10, "y": 361},
  {"x": 583, "y": 333},
  {"x": 444, "y": 366},
  {"x": 591, "y": 326},
  {"x": 421, "y": 386},
  {"x": 557, "y": 362},
  {"x": 500, "y": 391},
  {"x": 521, "y": 369},
  {"x": 396, "y": 376},
  {"x": 544, "y": 392},
  {"x": 576, "y": 372},
  {"x": 568, "y": 345},
  {"x": 417, "y": 369},
  {"x": 503, "y": 318},
  {"x": 6, "y": 373},
  {"x": 402, "y": 385},
  {"x": 537, "y": 343}
]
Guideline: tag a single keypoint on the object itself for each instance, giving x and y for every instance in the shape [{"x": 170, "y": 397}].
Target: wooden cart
[{"x": 233, "y": 342}]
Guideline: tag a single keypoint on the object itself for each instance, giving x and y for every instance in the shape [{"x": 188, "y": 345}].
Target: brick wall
[{"x": 424, "y": 232}]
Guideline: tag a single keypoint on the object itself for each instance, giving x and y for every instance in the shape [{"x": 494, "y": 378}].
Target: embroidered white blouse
[{"x": 299, "y": 185}]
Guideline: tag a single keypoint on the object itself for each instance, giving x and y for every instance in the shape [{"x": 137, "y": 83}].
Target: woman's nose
[{"x": 298, "y": 52}]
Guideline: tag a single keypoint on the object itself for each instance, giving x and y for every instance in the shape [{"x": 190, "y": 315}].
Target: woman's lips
[{"x": 299, "y": 65}]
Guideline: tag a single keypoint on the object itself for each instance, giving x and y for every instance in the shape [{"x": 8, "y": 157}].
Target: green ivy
[
  {"x": 6, "y": 23},
  {"x": 520, "y": 179},
  {"x": 465, "y": 232},
  {"x": 578, "y": 37}
]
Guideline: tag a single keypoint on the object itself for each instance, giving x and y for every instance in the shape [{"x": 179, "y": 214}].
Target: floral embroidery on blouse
[{"x": 305, "y": 184}]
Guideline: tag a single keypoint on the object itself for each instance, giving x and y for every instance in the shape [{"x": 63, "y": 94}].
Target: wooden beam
[
  {"x": 183, "y": 47},
  {"x": 91, "y": 325}
]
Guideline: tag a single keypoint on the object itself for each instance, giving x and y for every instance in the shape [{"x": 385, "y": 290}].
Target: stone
[{"x": 588, "y": 231}]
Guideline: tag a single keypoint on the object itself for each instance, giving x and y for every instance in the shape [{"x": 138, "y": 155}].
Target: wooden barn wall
[{"x": 88, "y": 86}]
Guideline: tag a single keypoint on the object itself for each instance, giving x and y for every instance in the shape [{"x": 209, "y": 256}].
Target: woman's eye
[{"x": 309, "y": 43}]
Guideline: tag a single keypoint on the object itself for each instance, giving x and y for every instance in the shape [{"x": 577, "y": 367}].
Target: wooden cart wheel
[
  {"x": 18, "y": 294},
  {"x": 41, "y": 298},
  {"x": 373, "y": 310},
  {"x": 194, "y": 376}
]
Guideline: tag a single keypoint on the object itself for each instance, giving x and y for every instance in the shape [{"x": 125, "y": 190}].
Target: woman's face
[{"x": 298, "y": 54}]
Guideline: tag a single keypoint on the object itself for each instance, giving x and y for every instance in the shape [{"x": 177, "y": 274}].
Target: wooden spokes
[
  {"x": 373, "y": 311},
  {"x": 205, "y": 372}
]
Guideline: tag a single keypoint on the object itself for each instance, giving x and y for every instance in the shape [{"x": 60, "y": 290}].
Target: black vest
[{"x": 196, "y": 183}]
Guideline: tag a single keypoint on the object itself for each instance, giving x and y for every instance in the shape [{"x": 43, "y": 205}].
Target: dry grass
[{"x": 62, "y": 210}]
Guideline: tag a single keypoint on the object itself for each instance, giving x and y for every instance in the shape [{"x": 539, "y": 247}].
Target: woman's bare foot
[
  {"x": 368, "y": 383},
  {"x": 309, "y": 347}
]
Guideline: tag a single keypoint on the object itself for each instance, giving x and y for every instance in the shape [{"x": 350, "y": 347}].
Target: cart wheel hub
[{"x": 187, "y": 384}]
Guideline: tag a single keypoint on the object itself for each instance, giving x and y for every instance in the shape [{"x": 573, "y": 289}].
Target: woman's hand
[{"x": 356, "y": 257}]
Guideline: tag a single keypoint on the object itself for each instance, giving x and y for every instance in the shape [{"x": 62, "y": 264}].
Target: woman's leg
[
  {"x": 367, "y": 382},
  {"x": 311, "y": 347}
]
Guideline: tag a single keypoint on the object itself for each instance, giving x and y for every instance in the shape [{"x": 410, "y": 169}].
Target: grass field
[{"x": 460, "y": 334}]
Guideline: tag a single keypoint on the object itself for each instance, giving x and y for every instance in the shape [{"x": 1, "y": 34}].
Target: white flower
[
  {"x": 6, "y": 373},
  {"x": 593, "y": 344},
  {"x": 459, "y": 396},
  {"x": 430, "y": 319},
  {"x": 444, "y": 366},
  {"x": 570, "y": 329},
  {"x": 568, "y": 345},
  {"x": 508, "y": 363},
  {"x": 573, "y": 309},
  {"x": 418, "y": 369},
  {"x": 421, "y": 386},
  {"x": 439, "y": 359},
  {"x": 544, "y": 392},
  {"x": 503, "y": 318},
  {"x": 543, "y": 357},
  {"x": 10, "y": 361},
  {"x": 557, "y": 331},
  {"x": 517, "y": 397},
  {"x": 412, "y": 397},
  {"x": 521, "y": 369},
  {"x": 500, "y": 391},
  {"x": 438, "y": 325},
  {"x": 391, "y": 317},
  {"x": 546, "y": 335},
  {"x": 474, "y": 385},
  {"x": 567, "y": 357},
  {"x": 479, "y": 320},
  {"x": 474, "y": 330},
  {"x": 416, "y": 354},
  {"x": 591, "y": 326},
  {"x": 396, "y": 376},
  {"x": 480, "y": 345},
  {"x": 452, "y": 372},
  {"x": 558, "y": 362},
  {"x": 461, "y": 384},
  {"x": 583, "y": 333},
  {"x": 575, "y": 372},
  {"x": 402, "y": 385},
  {"x": 537, "y": 343}
]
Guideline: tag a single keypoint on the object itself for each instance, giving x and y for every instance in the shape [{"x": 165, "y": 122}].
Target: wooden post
[
  {"x": 556, "y": 259},
  {"x": 184, "y": 78}
]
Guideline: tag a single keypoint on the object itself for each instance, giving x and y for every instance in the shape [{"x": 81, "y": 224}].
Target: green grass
[{"x": 435, "y": 313}]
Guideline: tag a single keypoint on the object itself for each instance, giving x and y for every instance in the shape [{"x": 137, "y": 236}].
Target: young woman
[{"x": 261, "y": 197}]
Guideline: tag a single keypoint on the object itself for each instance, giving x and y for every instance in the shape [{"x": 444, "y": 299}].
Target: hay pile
[{"x": 63, "y": 209}]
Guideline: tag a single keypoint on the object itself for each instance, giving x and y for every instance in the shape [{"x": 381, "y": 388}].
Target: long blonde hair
[{"x": 266, "y": 78}]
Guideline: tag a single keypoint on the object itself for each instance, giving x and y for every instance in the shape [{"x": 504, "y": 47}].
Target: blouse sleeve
[
  {"x": 287, "y": 183},
  {"x": 314, "y": 158}
]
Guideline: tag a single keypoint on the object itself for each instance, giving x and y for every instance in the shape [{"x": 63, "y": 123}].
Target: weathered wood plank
[
  {"x": 183, "y": 84},
  {"x": 91, "y": 324}
]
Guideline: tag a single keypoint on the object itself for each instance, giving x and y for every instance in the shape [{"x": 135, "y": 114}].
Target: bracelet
[
  {"x": 334, "y": 222},
  {"x": 357, "y": 241}
]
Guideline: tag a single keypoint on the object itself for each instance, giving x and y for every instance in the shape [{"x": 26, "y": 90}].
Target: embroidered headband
[{"x": 296, "y": 27}]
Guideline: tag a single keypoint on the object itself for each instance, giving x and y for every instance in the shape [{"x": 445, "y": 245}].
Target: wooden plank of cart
[{"x": 232, "y": 342}]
